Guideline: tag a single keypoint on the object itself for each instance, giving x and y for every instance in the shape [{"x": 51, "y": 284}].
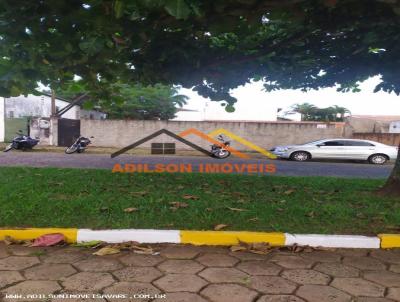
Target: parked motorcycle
[
  {"x": 22, "y": 142},
  {"x": 219, "y": 151},
  {"x": 79, "y": 145}
]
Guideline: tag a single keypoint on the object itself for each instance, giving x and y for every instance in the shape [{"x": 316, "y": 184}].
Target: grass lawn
[{"x": 44, "y": 197}]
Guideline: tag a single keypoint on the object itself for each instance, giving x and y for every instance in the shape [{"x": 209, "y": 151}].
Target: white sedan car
[{"x": 351, "y": 149}]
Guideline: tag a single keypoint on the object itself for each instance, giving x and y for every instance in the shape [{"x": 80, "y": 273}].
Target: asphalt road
[{"x": 283, "y": 167}]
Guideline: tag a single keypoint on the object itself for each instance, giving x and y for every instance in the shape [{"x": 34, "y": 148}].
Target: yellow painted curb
[
  {"x": 29, "y": 234},
  {"x": 389, "y": 240},
  {"x": 231, "y": 238}
]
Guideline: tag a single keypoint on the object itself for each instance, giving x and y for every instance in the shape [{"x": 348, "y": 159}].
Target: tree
[
  {"x": 340, "y": 112},
  {"x": 310, "y": 112},
  {"x": 157, "y": 102},
  {"x": 211, "y": 45},
  {"x": 306, "y": 110}
]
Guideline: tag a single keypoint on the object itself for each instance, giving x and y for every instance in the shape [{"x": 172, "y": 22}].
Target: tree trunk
[{"x": 392, "y": 186}]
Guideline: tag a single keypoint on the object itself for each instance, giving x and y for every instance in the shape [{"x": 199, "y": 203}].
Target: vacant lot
[{"x": 40, "y": 197}]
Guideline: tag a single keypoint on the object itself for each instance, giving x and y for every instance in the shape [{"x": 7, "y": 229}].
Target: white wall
[
  {"x": 37, "y": 106},
  {"x": 2, "y": 130}
]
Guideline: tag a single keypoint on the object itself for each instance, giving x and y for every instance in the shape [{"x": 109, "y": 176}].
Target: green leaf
[
  {"x": 91, "y": 45},
  {"x": 118, "y": 8},
  {"x": 177, "y": 8},
  {"x": 88, "y": 105},
  {"x": 15, "y": 91},
  {"x": 230, "y": 108}
]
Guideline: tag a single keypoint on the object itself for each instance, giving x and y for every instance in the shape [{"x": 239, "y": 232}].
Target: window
[
  {"x": 360, "y": 144},
  {"x": 333, "y": 143},
  {"x": 348, "y": 143},
  {"x": 163, "y": 148}
]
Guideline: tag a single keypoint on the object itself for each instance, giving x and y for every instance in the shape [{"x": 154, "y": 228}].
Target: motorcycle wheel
[
  {"x": 221, "y": 154},
  {"x": 8, "y": 148},
  {"x": 81, "y": 150},
  {"x": 71, "y": 149}
]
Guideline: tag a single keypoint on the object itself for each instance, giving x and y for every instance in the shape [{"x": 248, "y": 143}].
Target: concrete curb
[{"x": 209, "y": 237}]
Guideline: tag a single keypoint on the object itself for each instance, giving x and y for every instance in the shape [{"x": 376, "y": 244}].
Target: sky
[{"x": 256, "y": 104}]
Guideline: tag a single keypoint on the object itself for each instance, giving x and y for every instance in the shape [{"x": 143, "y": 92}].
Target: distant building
[{"x": 15, "y": 109}]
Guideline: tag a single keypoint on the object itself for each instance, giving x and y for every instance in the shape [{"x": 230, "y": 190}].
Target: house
[{"x": 16, "y": 111}]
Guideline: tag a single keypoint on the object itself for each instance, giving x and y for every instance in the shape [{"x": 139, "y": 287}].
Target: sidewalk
[{"x": 198, "y": 274}]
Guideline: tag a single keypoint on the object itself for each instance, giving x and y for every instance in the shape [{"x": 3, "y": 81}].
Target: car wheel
[
  {"x": 378, "y": 159},
  {"x": 300, "y": 156}
]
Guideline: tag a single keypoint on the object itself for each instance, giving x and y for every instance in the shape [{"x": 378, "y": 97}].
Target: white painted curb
[
  {"x": 334, "y": 241},
  {"x": 118, "y": 236}
]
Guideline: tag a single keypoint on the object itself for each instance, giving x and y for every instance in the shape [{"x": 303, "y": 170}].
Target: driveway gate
[{"x": 68, "y": 131}]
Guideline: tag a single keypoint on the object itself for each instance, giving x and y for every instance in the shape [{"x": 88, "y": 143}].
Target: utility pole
[{"x": 53, "y": 103}]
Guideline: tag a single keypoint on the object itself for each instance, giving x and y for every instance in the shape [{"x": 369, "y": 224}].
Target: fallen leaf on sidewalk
[
  {"x": 220, "y": 227},
  {"x": 8, "y": 240},
  {"x": 261, "y": 248},
  {"x": 236, "y": 209},
  {"x": 92, "y": 244},
  {"x": 130, "y": 210},
  {"x": 300, "y": 248},
  {"x": 49, "y": 240},
  {"x": 237, "y": 248},
  {"x": 107, "y": 251},
  {"x": 143, "y": 250}
]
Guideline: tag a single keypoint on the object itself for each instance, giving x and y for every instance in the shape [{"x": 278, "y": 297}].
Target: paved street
[
  {"x": 283, "y": 167},
  {"x": 200, "y": 274}
]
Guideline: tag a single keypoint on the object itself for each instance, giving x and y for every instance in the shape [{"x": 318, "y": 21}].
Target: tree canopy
[
  {"x": 211, "y": 45},
  {"x": 310, "y": 112},
  {"x": 130, "y": 101}
]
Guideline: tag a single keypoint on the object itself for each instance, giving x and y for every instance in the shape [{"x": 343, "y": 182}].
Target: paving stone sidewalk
[{"x": 199, "y": 274}]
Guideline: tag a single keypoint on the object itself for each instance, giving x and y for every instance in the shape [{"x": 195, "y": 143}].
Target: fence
[{"x": 120, "y": 133}]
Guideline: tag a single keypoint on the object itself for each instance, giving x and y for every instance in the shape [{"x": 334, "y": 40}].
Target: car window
[
  {"x": 360, "y": 144},
  {"x": 333, "y": 143}
]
